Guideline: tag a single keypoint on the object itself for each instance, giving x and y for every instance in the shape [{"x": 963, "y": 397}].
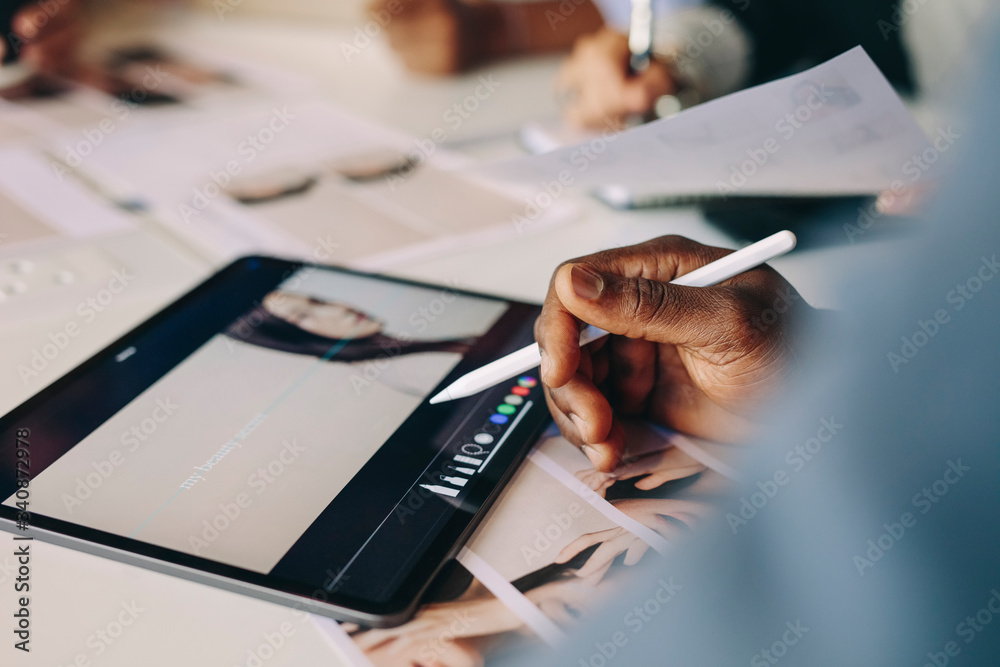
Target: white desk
[{"x": 74, "y": 595}]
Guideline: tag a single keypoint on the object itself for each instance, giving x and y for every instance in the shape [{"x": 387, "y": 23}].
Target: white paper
[
  {"x": 192, "y": 174},
  {"x": 838, "y": 128}
]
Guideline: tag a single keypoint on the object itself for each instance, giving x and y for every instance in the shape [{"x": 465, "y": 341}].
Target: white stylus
[{"x": 529, "y": 357}]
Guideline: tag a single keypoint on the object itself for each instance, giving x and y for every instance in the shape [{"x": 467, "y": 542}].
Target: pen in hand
[
  {"x": 529, "y": 357},
  {"x": 640, "y": 36}
]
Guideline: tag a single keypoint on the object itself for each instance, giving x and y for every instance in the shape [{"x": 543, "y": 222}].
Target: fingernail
[
  {"x": 545, "y": 366},
  {"x": 586, "y": 284},
  {"x": 580, "y": 425}
]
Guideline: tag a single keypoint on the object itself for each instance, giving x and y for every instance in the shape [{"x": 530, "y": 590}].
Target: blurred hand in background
[
  {"x": 450, "y": 36},
  {"x": 47, "y": 37},
  {"x": 596, "y": 89}
]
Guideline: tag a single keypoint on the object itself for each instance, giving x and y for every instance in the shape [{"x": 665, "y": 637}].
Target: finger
[
  {"x": 603, "y": 456},
  {"x": 605, "y": 554},
  {"x": 372, "y": 639},
  {"x": 598, "y": 434},
  {"x": 33, "y": 22},
  {"x": 558, "y": 335},
  {"x": 640, "y": 92},
  {"x": 639, "y": 307},
  {"x": 685, "y": 511},
  {"x": 563, "y": 422},
  {"x": 663, "y": 258},
  {"x": 607, "y": 454},
  {"x": 55, "y": 53},
  {"x": 635, "y": 552},
  {"x": 594, "y": 479},
  {"x": 662, "y": 477},
  {"x": 557, "y": 328},
  {"x": 584, "y": 542},
  {"x": 632, "y": 370},
  {"x": 567, "y": 83},
  {"x": 597, "y": 575},
  {"x": 585, "y": 369},
  {"x": 661, "y": 462},
  {"x": 601, "y": 362},
  {"x": 586, "y": 407},
  {"x": 556, "y": 611},
  {"x": 601, "y": 102}
]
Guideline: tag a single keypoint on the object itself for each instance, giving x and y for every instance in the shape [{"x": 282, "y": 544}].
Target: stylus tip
[{"x": 441, "y": 398}]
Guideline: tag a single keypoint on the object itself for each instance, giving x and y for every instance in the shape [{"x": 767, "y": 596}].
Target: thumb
[{"x": 638, "y": 307}]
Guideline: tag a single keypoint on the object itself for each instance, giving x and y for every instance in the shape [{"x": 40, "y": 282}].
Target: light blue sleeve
[{"x": 616, "y": 12}]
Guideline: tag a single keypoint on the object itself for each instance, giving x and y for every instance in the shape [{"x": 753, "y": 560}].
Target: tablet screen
[{"x": 278, "y": 423}]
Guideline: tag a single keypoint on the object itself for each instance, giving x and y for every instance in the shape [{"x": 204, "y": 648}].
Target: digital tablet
[{"x": 270, "y": 433}]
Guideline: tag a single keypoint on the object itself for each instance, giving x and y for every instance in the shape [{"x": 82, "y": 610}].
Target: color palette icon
[{"x": 527, "y": 381}]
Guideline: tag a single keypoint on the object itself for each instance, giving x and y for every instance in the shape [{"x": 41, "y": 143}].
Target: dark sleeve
[{"x": 789, "y": 35}]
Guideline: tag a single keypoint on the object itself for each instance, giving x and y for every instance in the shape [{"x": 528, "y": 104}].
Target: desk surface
[{"x": 79, "y": 599}]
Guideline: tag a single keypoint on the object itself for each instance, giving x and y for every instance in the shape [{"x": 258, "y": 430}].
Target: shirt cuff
[{"x": 708, "y": 47}]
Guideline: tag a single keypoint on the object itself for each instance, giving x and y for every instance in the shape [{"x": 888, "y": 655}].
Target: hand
[
  {"x": 47, "y": 42},
  {"x": 650, "y": 512},
  {"x": 659, "y": 468},
  {"x": 566, "y": 601},
  {"x": 698, "y": 360},
  {"x": 440, "y": 634},
  {"x": 440, "y": 36},
  {"x": 596, "y": 88}
]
